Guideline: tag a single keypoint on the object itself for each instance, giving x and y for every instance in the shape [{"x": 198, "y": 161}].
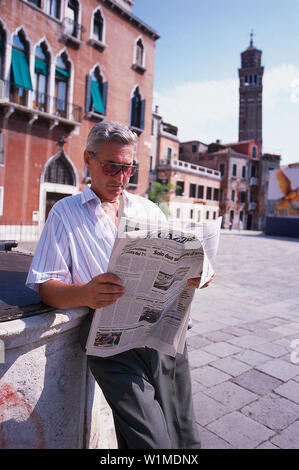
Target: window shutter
[
  {"x": 97, "y": 99},
  {"x": 40, "y": 66},
  {"x": 104, "y": 95},
  {"x": 20, "y": 69},
  {"x": 132, "y": 113},
  {"x": 142, "y": 114},
  {"x": 88, "y": 94}
]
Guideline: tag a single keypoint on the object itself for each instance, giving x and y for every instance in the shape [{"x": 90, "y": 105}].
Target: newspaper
[{"x": 154, "y": 263}]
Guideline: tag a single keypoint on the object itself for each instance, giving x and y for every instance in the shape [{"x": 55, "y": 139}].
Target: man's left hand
[{"x": 195, "y": 281}]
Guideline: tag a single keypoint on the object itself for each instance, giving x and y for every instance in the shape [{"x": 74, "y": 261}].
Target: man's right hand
[{"x": 103, "y": 290}]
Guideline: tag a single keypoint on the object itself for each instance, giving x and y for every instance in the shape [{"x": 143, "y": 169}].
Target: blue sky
[{"x": 197, "y": 61}]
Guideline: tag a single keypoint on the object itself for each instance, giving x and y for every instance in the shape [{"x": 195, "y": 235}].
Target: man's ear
[{"x": 87, "y": 159}]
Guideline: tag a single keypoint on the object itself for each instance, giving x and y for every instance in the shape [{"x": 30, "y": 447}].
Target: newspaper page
[{"x": 154, "y": 263}]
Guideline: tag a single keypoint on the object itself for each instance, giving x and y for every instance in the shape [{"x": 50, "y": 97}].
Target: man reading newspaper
[{"x": 149, "y": 392}]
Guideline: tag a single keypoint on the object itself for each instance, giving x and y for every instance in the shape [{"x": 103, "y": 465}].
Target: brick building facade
[
  {"x": 239, "y": 167},
  {"x": 64, "y": 66}
]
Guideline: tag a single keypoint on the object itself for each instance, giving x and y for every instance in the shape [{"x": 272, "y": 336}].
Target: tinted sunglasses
[{"x": 112, "y": 169}]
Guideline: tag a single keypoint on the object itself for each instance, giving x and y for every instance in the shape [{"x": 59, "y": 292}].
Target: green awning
[
  {"x": 97, "y": 100},
  {"x": 20, "y": 69},
  {"x": 61, "y": 73},
  {"x": 41, "y": 66}
]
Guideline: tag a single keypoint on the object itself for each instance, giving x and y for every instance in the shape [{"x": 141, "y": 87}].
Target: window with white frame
[
  {"x": 96, "y": 92},
  {"x": 139, "y": 53},
  {"x": 98, "y": 26},
  {"x": 41, "y": 73},
  {"x": 62, "y": 75},
  {"x": 53, "y": 8},
  {"x": 20, "y": 78},
  {"x": 137, "y": 110},
  {"x": 71, "y": 18},
  {"x": 139, "y": 56}
]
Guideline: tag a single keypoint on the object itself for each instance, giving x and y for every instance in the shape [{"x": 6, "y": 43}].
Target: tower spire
[{"x": 251, "y": 38}]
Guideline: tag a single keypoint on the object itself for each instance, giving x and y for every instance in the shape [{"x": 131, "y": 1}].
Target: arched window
[
  {"x": 96, "y": 92},
  {"x": 98, "y": 26},
  {"x": 137, "y": 110},
  {"x": 72, "y": 14},
  {"x": 62, "y": 75},
  {"x": 2, "y": 51},
  {"x": 41, "y": 71},
  {"x": 20, "y": 74},
  {"x": 139, "y": 59},
  {"x": 60, "y": 171}
]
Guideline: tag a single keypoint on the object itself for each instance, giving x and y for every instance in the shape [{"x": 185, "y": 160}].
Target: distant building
[
  {"x": 239, "y": 165},
  {"x": 195, "y": 194},
  {"x": 251, "y": 94},
  {"x": 65, "y": 65},
  {"x": 192, "y": 150}
]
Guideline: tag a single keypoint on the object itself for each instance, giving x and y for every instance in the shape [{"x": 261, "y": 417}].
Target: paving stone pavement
[{"x": 243, "y": 353}]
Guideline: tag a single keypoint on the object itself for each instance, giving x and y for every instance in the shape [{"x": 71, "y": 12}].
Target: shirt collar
[{"x": 88, "y": 195}]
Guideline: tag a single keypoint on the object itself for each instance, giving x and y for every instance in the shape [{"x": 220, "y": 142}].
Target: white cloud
[
  {"x": 280, "y": 82},
  {"x": 209, "y": 110},
  {"x": 199, "y": 109}
]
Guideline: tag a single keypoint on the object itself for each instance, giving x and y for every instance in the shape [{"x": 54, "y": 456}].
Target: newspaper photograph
[{"x": 154, "y": 263}]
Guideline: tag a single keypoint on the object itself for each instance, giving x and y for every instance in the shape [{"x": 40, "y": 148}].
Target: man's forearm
[
  {"x": 61, "y": 295},
  {"x": 100, "y": 291}
]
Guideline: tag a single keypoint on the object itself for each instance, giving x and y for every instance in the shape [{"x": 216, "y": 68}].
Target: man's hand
[
  {"x": 195, "y": 281},
  {"x": 103, "y": 290}
]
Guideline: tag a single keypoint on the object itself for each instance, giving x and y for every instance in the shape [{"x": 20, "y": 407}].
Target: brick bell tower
[{"x": 251, "y": 94}]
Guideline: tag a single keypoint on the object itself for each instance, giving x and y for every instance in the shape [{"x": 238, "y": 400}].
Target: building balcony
[
  {"x": 253, "y": 181},
  {"x": 37, "y": 105},
  {"x": 138, "y": 67},
  {"x": 180, "y": 165}
]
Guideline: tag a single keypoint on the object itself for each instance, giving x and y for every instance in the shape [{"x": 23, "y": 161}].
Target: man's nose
[{"x": 120, "y": 175}]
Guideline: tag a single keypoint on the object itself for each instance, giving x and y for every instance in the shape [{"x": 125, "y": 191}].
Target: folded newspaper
[{"x": 154, "y": 263}]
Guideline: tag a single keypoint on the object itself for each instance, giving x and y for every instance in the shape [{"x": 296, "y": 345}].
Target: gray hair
[{"x": 109, "y": 131}]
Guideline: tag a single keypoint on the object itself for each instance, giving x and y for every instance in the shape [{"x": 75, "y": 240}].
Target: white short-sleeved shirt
[{"x": 78, "y": 237}]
